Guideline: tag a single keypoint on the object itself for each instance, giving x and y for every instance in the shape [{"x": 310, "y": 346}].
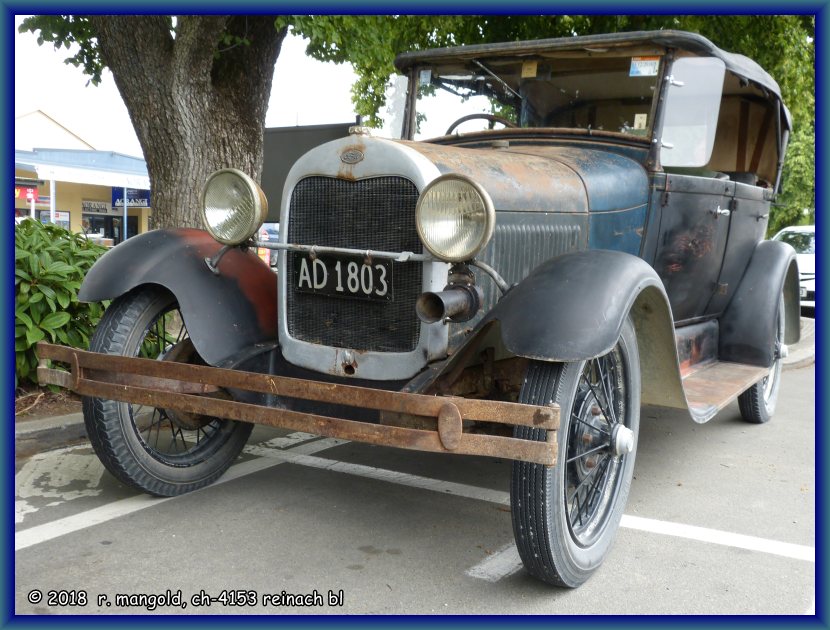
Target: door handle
[{"x": 720, "y": 212}]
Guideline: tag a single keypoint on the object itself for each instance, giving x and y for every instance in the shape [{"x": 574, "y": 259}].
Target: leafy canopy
[{"x": 782, "y": 44}]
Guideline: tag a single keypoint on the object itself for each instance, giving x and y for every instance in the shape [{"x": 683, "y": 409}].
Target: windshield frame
[{"x": 415, "y": 87}]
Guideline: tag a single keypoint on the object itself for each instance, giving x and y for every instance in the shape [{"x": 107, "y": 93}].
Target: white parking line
[
  {"x": 54, "y": 529},
  {"x": 382, "y": 474},
  {"x": 502, "y": 563},
  {"x": 717, "y": 537},
  {"x": 691, "y": 532}
]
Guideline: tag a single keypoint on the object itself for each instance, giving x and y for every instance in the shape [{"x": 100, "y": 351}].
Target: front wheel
[
  {"x": 565, "y": 517},
  {"x": 160, "y": 451}
]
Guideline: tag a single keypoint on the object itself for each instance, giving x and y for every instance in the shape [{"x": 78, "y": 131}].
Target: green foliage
[
  {"x": 49, "y": 265},
  {"x": 796, "y": 205},
  {"x": 65, "y": 31},
  {"x": 782, "y": 44},
  {"x": 369, "y": 43}
]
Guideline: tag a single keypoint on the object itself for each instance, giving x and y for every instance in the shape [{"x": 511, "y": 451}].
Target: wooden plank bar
[
  {"x": 181, "y": 387},
  {"x": 510, "y": 448},
  {"x": 108, "y": 366}
]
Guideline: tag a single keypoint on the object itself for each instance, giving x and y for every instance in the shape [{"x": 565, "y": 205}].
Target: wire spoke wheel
[
  {"x": 757, "y": 404},
  {"x": 157, "y": 450},
  {"x": 175, "y": 438},
  {"x": 565, "y": 517},
  {"x": 592, "y": 465}
]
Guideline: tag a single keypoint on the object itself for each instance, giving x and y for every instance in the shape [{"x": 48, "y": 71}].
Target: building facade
[
  {"x": 74, "y": 185},
  {"x": 84, "y": 191}
]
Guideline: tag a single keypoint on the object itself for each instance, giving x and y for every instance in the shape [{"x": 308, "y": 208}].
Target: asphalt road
[{"x": 721, "y": 520}]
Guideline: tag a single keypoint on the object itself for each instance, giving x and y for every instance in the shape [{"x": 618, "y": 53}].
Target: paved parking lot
[{"x": 721, "y": 519}]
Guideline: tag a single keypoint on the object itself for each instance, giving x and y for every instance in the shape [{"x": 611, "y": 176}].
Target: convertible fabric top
[{"x": 681, "y": 40}]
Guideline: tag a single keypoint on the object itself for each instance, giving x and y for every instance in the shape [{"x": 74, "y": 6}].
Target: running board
[{"x": 715, "y": 384}]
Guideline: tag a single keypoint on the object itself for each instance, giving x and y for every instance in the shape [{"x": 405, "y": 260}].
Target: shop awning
[{"x": 98, "y": 168}]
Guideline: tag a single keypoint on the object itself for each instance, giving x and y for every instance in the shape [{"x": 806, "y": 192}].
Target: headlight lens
[
  {"x": 455, "y": 218},
  {"x": 233, "y": 206}
]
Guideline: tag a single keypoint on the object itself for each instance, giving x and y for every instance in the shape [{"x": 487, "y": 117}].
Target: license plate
[
  {"x": 344, "y": 276},
  {"x": 803, "y": 292}
]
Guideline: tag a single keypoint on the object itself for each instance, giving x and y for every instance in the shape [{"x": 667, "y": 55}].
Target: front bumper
[
  {"x": 192, "y": 389},
  {"x": 808, "y": 292}
]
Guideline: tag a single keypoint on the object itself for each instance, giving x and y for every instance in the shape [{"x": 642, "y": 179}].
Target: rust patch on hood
[
  {"x": 350, "y": 156},
  {"x": 515, "y": 181}
]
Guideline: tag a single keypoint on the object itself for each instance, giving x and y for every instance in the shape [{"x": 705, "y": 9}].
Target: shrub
[{"x": 49, "y": 265}]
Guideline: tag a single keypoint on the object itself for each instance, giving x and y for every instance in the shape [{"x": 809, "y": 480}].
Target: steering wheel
[{"x": 491, "y": 117}]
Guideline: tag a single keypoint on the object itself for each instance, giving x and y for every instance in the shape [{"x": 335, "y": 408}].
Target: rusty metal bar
[
  {"x": 367, "y": 253},
  {"x": 511, "y": 448},
  {"x": 349, "y": 395}
]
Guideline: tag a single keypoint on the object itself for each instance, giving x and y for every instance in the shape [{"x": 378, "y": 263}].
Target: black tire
[
  {"x": 562, "y": 541},
  {"x": 757, "y": 404},
  {"x": 155, "y": 450}
]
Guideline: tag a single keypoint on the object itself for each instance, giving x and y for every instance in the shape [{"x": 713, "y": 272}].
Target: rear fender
[
  {"x": 748, "y": 325},
  {"x": 227, "y": 314},
  {"x": 573, "y": 308}
]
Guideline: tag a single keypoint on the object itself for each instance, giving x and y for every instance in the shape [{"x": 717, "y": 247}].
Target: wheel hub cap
[{"x": 622, "y": 440}]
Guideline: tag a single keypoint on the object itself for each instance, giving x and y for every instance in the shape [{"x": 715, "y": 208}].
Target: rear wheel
[
  {"x": 156, "y": 450},
  {"x": 565, "y": 517},
  {"x": 757, "y": 404}
]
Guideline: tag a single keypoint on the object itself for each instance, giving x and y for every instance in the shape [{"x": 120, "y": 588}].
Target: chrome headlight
[
  {"x": 455, "y": 218},
  {"x": 233, "y": 206}
]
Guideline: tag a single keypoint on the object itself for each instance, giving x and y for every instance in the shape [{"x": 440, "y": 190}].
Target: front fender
[
  {"x": 225, "y": 314},
  {"x": 573, "y": 308},
  {"x": 747, "y": 326}
]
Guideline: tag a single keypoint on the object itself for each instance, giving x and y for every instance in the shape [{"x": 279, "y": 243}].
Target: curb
[
  {"x": 803, "y": 353},
  {"x": 35, "y": 436}
]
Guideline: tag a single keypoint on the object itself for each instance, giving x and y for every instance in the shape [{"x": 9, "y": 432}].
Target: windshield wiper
[{"x": 497, "y": 78}]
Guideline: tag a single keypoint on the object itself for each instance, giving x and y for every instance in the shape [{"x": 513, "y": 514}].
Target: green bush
[{"x": 49, "y": 265}]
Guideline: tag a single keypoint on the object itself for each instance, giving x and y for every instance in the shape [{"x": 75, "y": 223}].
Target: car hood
[
  {"x": 545, "y": 179},
  {"x": 521, "y": 178},
  {"x": 806, "y": 263}
]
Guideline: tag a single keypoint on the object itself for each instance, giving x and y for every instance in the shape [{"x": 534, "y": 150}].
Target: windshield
[
  {"x": 802, "y": 242},
  {"x": 598, "y": 93}
]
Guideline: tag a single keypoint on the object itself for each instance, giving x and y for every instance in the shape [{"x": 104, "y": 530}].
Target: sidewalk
[
  {"x": 35, "y": 436},
  {"x": 804, "y": 352}
]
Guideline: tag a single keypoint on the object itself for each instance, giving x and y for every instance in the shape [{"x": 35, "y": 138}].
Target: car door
[
  {"x": 748, "y": 218},
  {"x": 694, "y": 227}
]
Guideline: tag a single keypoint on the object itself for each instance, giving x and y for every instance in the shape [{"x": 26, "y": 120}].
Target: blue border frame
[{"x": 9, "y": 9}]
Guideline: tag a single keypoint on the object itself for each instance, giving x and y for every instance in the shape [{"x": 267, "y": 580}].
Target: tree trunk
[{"x": 197, "y": 98}]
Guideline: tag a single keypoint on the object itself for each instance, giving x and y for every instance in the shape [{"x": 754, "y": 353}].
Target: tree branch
[
  {"x": 149, "y": 30},
  {"x": 249, "y": 89},
  {"x": 197, "y": 37}
]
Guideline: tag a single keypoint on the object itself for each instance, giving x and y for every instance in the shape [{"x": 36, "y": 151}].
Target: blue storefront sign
[{"x": 136, "y": 198}]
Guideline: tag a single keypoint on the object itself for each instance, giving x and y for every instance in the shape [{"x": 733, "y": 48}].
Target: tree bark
[{"x": 197, "y": 103}]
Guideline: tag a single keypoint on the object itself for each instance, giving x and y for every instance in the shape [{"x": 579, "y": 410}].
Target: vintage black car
[{"x": 517, "y": 290}]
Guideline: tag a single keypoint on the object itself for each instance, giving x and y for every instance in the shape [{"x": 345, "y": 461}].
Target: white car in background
[
  {"x": 270, "y": 232},
  {"x": 803, "y": 240}
]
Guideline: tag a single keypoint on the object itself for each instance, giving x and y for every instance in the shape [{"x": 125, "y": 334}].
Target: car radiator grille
[
  {"x": 515, "y": 250},
  {"x": 376, "y": 213}
]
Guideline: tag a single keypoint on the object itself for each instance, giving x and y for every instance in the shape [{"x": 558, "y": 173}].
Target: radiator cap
[{"x": 360, "y": 130}]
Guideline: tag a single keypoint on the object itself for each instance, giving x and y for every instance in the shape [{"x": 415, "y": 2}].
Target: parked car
[
  {"x": 516, "y": 291},
  {"x": 270, "y": 233},
  {"x": 803, "y": 240}
]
